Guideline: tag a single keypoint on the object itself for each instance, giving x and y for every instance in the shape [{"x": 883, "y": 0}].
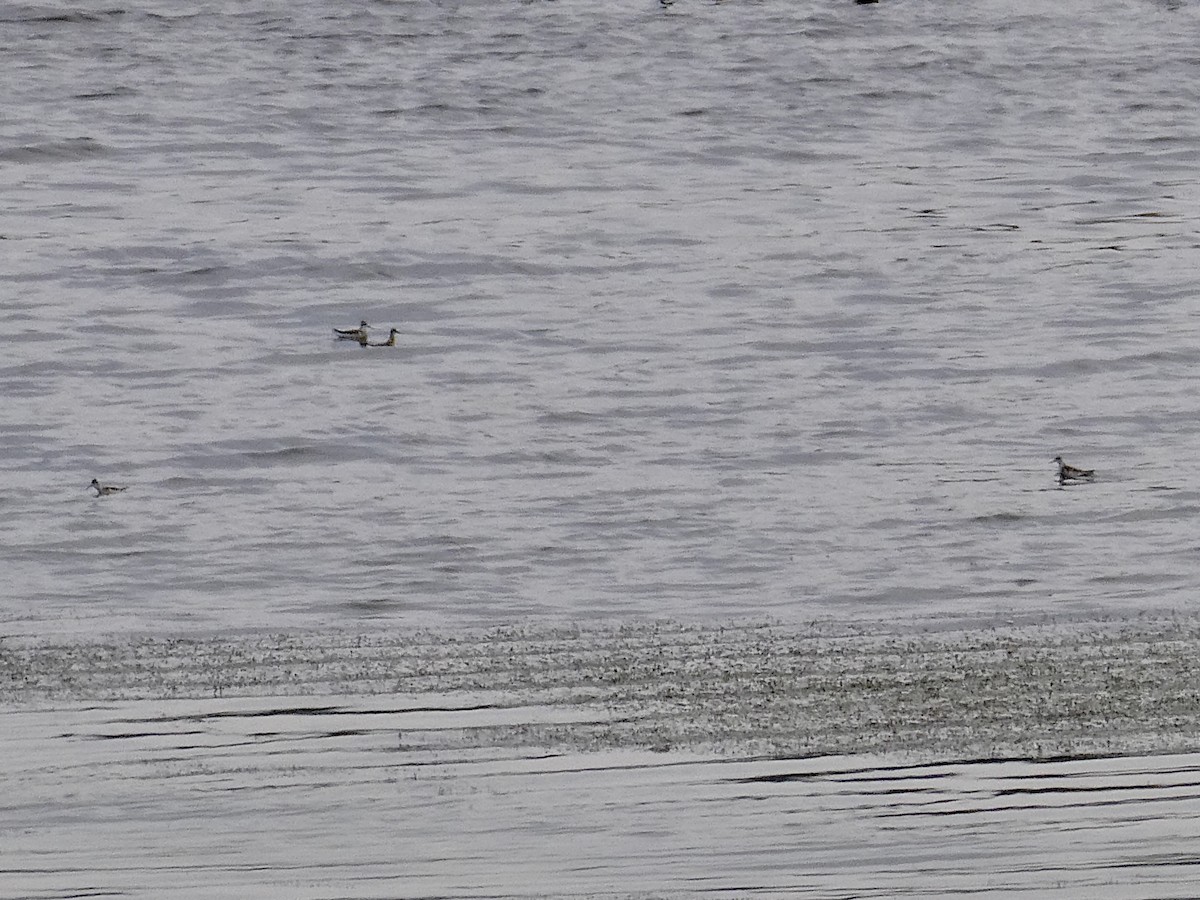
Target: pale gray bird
[
  {"x": 1070, "y": 473},
  {"x": 103, "y": 490}
]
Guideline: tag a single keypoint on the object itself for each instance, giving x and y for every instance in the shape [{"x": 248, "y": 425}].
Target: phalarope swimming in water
[
  {"x": 1070, "y": 473},
  {"x": 390, "y": 342},
  {"x": 103, "y": 490},
  {"x": 354, "y": 334}
]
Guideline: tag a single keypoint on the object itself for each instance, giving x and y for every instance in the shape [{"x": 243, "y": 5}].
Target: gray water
[{"x": 755, "y": 309}]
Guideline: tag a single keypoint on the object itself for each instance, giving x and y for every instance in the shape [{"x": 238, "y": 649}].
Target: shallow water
[
  {"x": 729, "y": 309},
  {"x": 651, "y": 761}
]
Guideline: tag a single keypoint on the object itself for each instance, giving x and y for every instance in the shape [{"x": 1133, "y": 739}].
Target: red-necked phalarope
[
  {"x": 391, "y": 341},
  {"x": 1070, "y": 473},
  {"x": 103, "y": 490},
  {"x": 354, "y": 334}
]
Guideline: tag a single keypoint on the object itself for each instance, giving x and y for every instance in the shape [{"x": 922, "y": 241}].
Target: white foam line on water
[{"x": 1028, "y": 690}]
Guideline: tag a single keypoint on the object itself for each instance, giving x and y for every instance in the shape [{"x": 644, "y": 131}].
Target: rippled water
[
  {"x": 638, "y": 761},
  {"x": 770, "y": 309}
]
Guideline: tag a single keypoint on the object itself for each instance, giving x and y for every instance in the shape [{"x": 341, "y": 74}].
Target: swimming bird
[
  {"x": 103, "y": 490},
  {"x": 391, "y": 341},
  {"x": 1070, "y": 473},
  {"x": 353, "y": 334}
]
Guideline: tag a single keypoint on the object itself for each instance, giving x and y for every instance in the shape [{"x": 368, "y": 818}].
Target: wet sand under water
[{"x": 663, "y": 760}]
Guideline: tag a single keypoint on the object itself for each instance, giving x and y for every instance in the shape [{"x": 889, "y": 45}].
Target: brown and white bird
[
  {"x": 1070, "y": 473},
  {"x": 354, "y": 334},
  {"x": 103, "y": 490},
  {"x": 390, "y": 342}
]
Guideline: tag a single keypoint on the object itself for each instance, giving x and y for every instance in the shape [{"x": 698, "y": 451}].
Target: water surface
[{"x": 732, "y": 309}]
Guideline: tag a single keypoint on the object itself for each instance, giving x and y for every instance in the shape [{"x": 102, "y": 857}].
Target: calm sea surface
[
  {"x": 755, "y": 309},
  {"x": 709, "y": 316}
]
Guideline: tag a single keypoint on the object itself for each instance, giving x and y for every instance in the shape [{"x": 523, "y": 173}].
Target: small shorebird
[
  {"x": 390, "y": 342},
  {"x": 1070, "y": 473},
  {"x": 103, "y": 490},
  {"x": 354, "y": 334}
]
